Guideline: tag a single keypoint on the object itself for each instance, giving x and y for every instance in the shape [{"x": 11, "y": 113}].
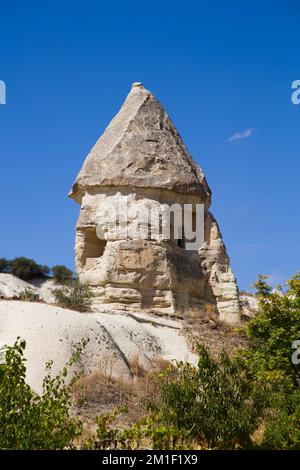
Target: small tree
[
  {"x": 268, "y": 359},
  {"x": 214, "y": 402},
  {"x": 62, "y": 275},
  {"x": 271, "y": 334},
  {"x": 29, "y": 421},
  {"x": 27, "y": 269}
]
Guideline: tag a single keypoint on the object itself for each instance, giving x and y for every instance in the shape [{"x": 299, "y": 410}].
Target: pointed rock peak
[
  {"x": 137, "y": 85},
  {"x": 141, "y": 149}
]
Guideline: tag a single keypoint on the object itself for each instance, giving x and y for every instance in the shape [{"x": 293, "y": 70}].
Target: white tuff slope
[{"x": 51, "y": 333}]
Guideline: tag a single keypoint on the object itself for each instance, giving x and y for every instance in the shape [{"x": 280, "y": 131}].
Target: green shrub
[
  {"x": 32, "y": 422},
  {"x": 27, "y": 269},
  {"x": 268, "y": 359},
  {"x": 62, "y": 275},
  {"x": 77, "y": 296},
  {"x": 271, "y": 334},
  {"x": 283, "y": 425},
  {"x": 4, "y": 265},
  {"x": 146, "y": 432},
  {"x": 29, "y": 296},
  {"x": 108, "y": 437},
  {"x": 215, "y": 402},
  {"x": 29, "y": 421}
]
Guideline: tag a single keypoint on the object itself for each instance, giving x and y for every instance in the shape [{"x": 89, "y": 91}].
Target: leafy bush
[
  {"x": 4, "y": 265},
  {"x": 271, "y": 334},
  {"x": 214, "y": 402},
  {"x": 283, "y": 426},
  {"x": 29, "y": 421},
  {"x": 108, "y": 437},
  {"x": 268, "y": 360},
  {"x": 145, "y": 432},
  {"x": 62, "y": 275},
  {"x": 77, "y": 296},
  {"x": 27, "y": 269}
]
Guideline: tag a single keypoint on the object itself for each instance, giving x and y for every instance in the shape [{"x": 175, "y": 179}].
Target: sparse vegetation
[
  {"x": 62, "y": 275},
  {"x": 29, "y": 296},
  {"x": 75, "y": 296}
]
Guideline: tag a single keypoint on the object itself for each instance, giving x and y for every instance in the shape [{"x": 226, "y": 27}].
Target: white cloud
[{"x": 242, "y": 135}]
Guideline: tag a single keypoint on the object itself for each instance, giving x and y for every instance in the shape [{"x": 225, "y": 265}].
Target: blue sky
[{"x": 219, "y": 68}]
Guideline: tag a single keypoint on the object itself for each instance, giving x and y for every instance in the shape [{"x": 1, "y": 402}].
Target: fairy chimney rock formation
[{"x": 141, "y": 166}]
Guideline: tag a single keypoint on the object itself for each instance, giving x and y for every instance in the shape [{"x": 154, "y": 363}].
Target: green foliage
[
  {"x": 271, "y": 334},
  {"x": 4, "y": 265},
  {"x": 107, "y": 437},
  {"x": 165, "y": 437},
  {"x": 268, "y": 360},
  {"x": 29, "y": 421},
  {"x": 28, "y": 296},
  {"x": 77, "y": 296},
  {"x": 214, "y": 402},
  {"x": 62, "y": 275},
  {"x": 146, "y": 431},
  {"x": 283, "y": 426},
  {"x": 27, "y": 269}
]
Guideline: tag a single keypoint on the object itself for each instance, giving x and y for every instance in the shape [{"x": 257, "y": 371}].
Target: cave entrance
[{"x": 93, "y": 247}]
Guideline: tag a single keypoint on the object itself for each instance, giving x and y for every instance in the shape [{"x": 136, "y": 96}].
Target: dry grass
[
  {"x": 101, "y": 392},
  {"x": 258, "y": 436},
  {"x": 215, "y": 337}
]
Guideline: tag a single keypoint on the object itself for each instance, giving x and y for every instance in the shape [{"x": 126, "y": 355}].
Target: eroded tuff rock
[
  {"x": 141, "y": 162},
  {"x": 11, "y": 287},
  {"x": 141, "y": 148},
  {"x": 115, "y": 340}
]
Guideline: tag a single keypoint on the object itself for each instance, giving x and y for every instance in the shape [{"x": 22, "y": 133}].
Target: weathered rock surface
[
  {"x": 141, "y": 161},
  {"x": 221, "y": 283},
  {"x": 249, "y": 305},
  {"x": 45, "y": 288},
  {"x": 115, "y": 340},
  {"x": 141, "y": 148},
  {"x": 12, "y": 287}
]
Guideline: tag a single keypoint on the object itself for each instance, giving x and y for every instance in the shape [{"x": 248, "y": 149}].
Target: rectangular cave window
[
  {"x": 93, "y": 247},
  {"x": 177, "y": 236},
  {"x": 181, "y": 242}
]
